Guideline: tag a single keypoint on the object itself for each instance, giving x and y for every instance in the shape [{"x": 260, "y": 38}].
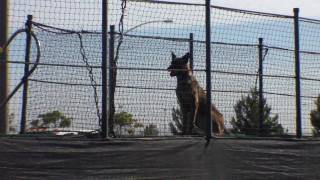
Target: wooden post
[{"x": 3, "y": 65}]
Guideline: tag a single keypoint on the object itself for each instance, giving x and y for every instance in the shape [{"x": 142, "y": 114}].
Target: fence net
[
  {"x": 51, "y": 86},
  {"x": 66, "y": 81},
  {"x": 234, "y": 58},
  {"x": 151, "y": 31}
]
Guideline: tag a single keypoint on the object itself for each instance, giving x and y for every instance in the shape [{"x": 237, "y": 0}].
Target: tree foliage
[
  {"x": 246, "y": 120},
  {"x": 315, "y": 117},
  {"x": 54, "y": 119},
  {"x": 125, "y": 120},
  {"x": 177, "y": 118},
  {"x": 151, "y": 130}
]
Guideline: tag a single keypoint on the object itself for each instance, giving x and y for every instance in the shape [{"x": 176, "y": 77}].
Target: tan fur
[
  {"x": 193, "y": 101},
  {"x": 199, "y": 116}
]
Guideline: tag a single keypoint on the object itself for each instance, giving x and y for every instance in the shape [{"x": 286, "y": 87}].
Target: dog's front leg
[
  {"x": 195, "y": 128},
  {"x": 189, "y": 122},
  {"x": 195, "y": 113},
  {"x": 185, "y": 121}
]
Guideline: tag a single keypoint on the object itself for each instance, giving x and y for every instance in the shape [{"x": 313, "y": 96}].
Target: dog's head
[{"x": 179, "y": 66}]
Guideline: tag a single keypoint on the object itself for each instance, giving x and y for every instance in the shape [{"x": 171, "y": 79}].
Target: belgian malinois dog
[{"x": 192, "y": 99}]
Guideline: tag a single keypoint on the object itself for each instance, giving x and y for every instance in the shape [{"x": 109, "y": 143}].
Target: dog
[{"x": 192, "y": 99}]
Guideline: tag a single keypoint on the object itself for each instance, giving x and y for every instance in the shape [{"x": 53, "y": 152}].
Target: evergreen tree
[
  {"x": 151, "y": 130},
  {"x": 315, "y": 117},
  {"x": 246, "y": 120}
]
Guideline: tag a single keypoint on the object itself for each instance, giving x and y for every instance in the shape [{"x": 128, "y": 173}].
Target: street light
[
  {"x": 149, "y": 22},
  {"x": 113, "y": 68}
]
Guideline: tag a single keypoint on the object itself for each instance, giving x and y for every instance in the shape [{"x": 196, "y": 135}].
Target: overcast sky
[{"x": 308, "y": 8}]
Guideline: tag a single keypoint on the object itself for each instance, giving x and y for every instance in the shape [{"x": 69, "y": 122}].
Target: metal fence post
[
  {"x": 208, "y": 70},
  {"x": 111, "y": 79},
  {"x": 297, "y": 72},
  {"x": 261, "y": 99},
  {"x": 191, "y": 51},
  {"x": 104, "y": 121},
  {"x": 26, "y": 70}
]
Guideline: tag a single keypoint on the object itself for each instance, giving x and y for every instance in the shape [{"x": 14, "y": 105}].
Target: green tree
[
  {"x": 12, "y": 126},
  {"x": 246, "y": 120},
  {"x": 315, "y": 117},
  {"x": 54, "y": 119},
  {"x": 35, "y": 123},
  {"x": 125, "y": 120},
  {"x": 151, "y": 130},
  {"x": 132, "y": 129},
  {"x": 177, "y": 118}
]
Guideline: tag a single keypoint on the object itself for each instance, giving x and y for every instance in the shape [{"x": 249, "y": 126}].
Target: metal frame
[
  {"x": 261, "y": 98},
  {"x": 208, "y": 70},
  {"x": 297, "y": 72}
]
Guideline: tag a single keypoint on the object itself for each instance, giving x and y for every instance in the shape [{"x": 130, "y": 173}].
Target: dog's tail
[{"x": 215, "y": 110}]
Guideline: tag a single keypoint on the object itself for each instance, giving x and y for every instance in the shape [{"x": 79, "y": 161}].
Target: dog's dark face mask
[{"x": 178, "y": 66}]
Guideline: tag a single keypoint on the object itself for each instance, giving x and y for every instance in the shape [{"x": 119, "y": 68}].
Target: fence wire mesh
[
  {"x": 65, "y": 80},
  {"x": 62, "y": 78},
  {"x": 151, "y": 31},
  {"x": 309, "y": 37},
  {"x": 234, "y": 56}
]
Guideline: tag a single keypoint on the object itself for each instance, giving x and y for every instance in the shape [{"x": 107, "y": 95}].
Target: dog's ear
[
  {"x": 173, "y": 55},
  {"x": 186, "y": 57}
]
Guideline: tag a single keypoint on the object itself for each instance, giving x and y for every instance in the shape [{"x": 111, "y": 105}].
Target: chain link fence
[{"x": 69, "y": 75}]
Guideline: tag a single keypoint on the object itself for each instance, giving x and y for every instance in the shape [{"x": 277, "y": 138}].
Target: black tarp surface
[{"x": 173, "y": 158}]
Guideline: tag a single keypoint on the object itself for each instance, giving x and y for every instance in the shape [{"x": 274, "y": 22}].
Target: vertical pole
[
  {"x": 104, "y": 122},
  {"x": 191, "y": 51},
  {"x": 26, "y": 70},
  {"x": 261, "y": 99},
  {"x": 208, "y": 70},
  {"x": 297, "y": 72},
  {"x": 111, "y": 78},
  {"x": 3, "y": 66}
]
